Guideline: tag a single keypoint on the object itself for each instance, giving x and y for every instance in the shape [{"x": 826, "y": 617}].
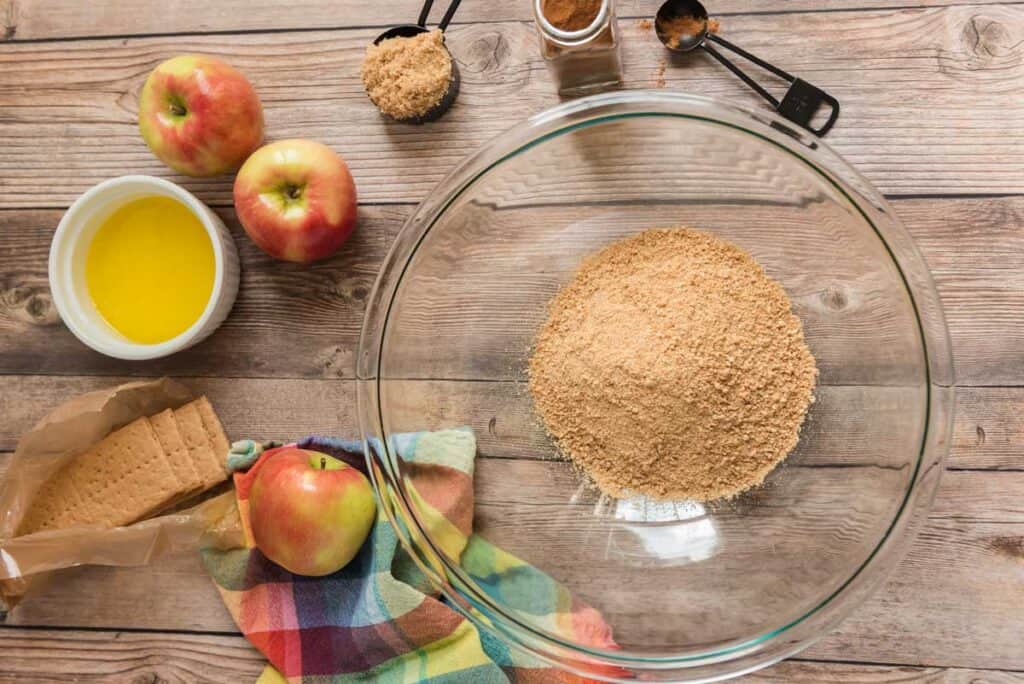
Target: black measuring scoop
[
  {"x": 682, "y": 26},
  {"x": 410, "y": 30}
]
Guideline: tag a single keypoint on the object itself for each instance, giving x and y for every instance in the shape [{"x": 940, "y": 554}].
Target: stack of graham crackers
[{"x": 134, "y": 472}]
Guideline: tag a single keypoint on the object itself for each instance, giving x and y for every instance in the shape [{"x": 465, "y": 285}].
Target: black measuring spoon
[
  {"x": 682, "y": 26},
  {"x": 411, "y": 30}
]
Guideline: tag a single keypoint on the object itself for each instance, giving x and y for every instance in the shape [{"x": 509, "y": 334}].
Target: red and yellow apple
[
  {"x": 310, "y": 513},
  {"x": 200, "y": 116},
  {"x": 296, "y": 199}
]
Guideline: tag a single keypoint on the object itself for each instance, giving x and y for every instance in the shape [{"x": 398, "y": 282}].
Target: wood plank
[
  {"x": 953, "y": 602},
  {"x": 70, "y": 108},
  {"x": 52, "y": 656},
  {"x": 304, "y": 321},
  {"x": 961, "y": 578},
  {"x": 762, "y": 560},
  {"x": 42, "y": 19},
  {"x": 818, "y": 673},
  {"x": 248, "y": 408},
  {"x": 989, "y": 429},
  {"x": 289, "y": 319},
  {"x": 975, "y": 259},
  {"x": 469, "y": 304},
  {"x": 986, "y": 433}
]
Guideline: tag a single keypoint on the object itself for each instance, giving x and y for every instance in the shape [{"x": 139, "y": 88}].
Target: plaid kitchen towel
[{"x": 378, "y": 619}]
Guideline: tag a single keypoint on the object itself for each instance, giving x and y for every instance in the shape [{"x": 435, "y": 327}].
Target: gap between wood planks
[
  {"x": 128, "y": 630},
  {"x": 798, "y": 661},
  {"x": 513, "y": 381},
  {"x": 139, "y": 657},
  {"x": 9, "y": 24},
  {"x": 149, "y": 630},
  {"x": 952, "y": 469},
  {"x": 893, "y": 197},
  {"x": 870, "y": 663}
]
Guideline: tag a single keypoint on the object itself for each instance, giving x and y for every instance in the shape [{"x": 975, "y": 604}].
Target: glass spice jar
[{"x": 585, "y": 59}]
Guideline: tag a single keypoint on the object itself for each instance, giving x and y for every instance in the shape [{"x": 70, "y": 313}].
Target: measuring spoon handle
[
  {"x": 800, "y": 103},
  {"x": 424, "y": 13},
  {"x": 447, "y": 18}
]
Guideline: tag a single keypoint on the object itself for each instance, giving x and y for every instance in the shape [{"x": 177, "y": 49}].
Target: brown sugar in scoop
[
  {"x": 406, "y": 77},
  {"x": 672, "y": 366}
]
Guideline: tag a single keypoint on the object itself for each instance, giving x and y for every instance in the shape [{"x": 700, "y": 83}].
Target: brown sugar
[
  {"x": 672, "y": 366},
  {"x": 571, "y": 15},
  {"x": 407, "y": 77}
]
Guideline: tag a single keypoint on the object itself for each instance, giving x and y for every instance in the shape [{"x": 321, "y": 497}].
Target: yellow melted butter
[{"x": 150, "y": 269}]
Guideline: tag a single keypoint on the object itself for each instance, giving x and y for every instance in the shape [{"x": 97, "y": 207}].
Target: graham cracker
[
  {"x": 57, "y": 504},
  {"x": 145, "y": 467},
  {"x": 200, "y": 445},
  {"x": 124, "y": 477},
  {"x": 117, "y": 481},
  {"x": 215, "y": 431},
  {"x": 166, "y": 430}
]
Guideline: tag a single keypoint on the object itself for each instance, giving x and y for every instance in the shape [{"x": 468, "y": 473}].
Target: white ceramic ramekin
[{"x": 67, "y": 267}]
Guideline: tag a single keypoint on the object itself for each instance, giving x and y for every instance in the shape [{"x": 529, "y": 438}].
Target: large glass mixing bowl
[{"x": 691, "y": 591}]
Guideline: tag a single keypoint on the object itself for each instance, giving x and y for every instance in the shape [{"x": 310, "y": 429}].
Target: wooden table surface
[{"x": 933, "y": 114}]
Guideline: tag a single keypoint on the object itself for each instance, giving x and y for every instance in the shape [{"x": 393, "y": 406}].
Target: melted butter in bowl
[
  {"x": 150, "y": 269},
  {"x": 140, "y": 268}
]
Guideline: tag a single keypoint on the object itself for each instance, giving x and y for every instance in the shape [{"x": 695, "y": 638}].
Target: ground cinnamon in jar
[
  {"x": 672, "y": 366},
  {"x": 571, "y": 15},
  {"x": 587, "y": 60}
]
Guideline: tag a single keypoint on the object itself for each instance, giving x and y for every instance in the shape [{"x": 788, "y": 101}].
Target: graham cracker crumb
[
  {"x": 407, "y": 77},
  {"x": 672, "y": 366}
]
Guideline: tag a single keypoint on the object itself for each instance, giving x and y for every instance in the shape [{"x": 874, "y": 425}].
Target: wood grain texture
[
  {"x": 821, "y": 673},
  {"x": 955, "y": 600},
  {"x": 289, "y": 320},
  {"x": 989, "y": 429},
  {"x": 959, "y": 580},
  {"x": 52, "y": 656},
  {"x": 42, "y": 19},
  {"x": 304, "y": 321},
  {"x": 248, "y": 408},
  {"x": 48, "y": 656},
  {"x": 69, "y": 108}
]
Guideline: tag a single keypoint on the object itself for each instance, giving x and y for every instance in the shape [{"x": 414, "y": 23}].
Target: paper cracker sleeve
[{"x": 64, "y": 433}]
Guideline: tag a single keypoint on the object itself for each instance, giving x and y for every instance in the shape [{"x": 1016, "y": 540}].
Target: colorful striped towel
[{"x": 378, "y": 619}]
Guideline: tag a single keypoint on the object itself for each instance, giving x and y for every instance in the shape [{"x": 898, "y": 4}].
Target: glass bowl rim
[{"x": 933, "y": 336}]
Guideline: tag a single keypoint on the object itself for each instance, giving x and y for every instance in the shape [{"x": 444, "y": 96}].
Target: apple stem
[
  {"x": 323, "y": 463},
  {"x": 177, "y": 110},
  {"x": 294, "y": 192}
]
